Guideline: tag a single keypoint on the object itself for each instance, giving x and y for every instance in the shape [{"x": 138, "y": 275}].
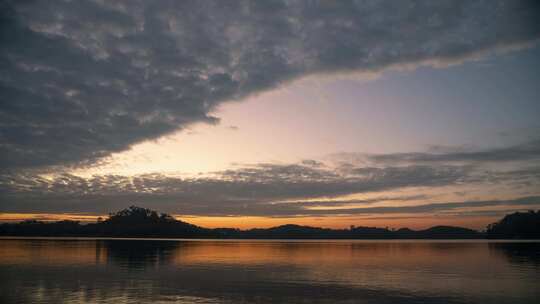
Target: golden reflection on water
[
  {"x": 267, "y": 269},
  {"x": 369, "y": 253}
]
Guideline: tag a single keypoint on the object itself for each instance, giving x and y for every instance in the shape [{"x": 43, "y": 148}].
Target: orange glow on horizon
[
  {"x": 416, "y": 221},
  {"x": 49, "y": 217},
  {"x": 344, "y": 222}
]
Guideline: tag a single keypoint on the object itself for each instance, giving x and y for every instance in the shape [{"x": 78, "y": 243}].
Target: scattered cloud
[
  {"x": 243, "y": 188},
  {"x": 309, "y": 187}
]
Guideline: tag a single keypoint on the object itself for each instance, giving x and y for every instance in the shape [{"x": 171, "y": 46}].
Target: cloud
[
  {"x": 437, "y": 207},
  {"x": 227, "y": 192},
  {"x": 523, "y": 152},
  {"x": 312, "y": 163},
  {"x": 83, "y": 79},
  {"x": 264, "y": 190},
  {"x": 281, "y": 189}
]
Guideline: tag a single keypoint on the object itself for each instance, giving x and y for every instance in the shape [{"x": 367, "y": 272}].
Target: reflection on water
[
  {"x": 134, "y": 271},
  {"x": 527, "y": 254}
]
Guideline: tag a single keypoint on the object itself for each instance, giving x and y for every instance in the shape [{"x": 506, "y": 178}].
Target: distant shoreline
[
  {"x": 85, "y": 238},
  {"x": 141, "y": 223}
]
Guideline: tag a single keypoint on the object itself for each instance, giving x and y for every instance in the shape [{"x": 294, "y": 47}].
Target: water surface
[{"x": 185, "y": 271}]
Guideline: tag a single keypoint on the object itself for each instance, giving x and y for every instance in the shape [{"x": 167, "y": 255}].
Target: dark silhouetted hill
[
  {"x": 519, "y": 225},
  {"x": 141, "y": 222},
  {"x": 439, "y": 232},
  {"x": 130, "y": 222}
]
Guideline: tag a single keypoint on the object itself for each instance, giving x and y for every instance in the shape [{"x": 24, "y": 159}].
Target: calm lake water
[{"x": 179, "y": 271}]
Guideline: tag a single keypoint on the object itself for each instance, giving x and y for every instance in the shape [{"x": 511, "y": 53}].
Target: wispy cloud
[{"x": 522, "y": 152}]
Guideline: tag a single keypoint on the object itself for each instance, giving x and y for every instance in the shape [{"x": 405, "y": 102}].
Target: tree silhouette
[{"x": 519, "y": 225}]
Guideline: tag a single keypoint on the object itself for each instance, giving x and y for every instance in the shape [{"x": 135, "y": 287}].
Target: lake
[{"x": 259, "y": 271}]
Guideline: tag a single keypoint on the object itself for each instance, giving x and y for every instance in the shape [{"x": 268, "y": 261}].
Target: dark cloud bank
[{"x": 82, "y": 79}]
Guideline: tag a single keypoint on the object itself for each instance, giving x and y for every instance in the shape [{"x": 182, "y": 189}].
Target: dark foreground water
[{"x": 152, "y": 271}]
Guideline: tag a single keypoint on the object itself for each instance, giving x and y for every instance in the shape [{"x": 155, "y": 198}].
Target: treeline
[{"x": 141, "y": 222}]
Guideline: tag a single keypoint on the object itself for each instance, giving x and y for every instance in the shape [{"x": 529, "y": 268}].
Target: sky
[{"x": 261, "y": 113}]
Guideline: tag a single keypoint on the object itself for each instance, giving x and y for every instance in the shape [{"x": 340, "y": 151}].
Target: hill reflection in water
[{"x": 112, "y": 271}]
